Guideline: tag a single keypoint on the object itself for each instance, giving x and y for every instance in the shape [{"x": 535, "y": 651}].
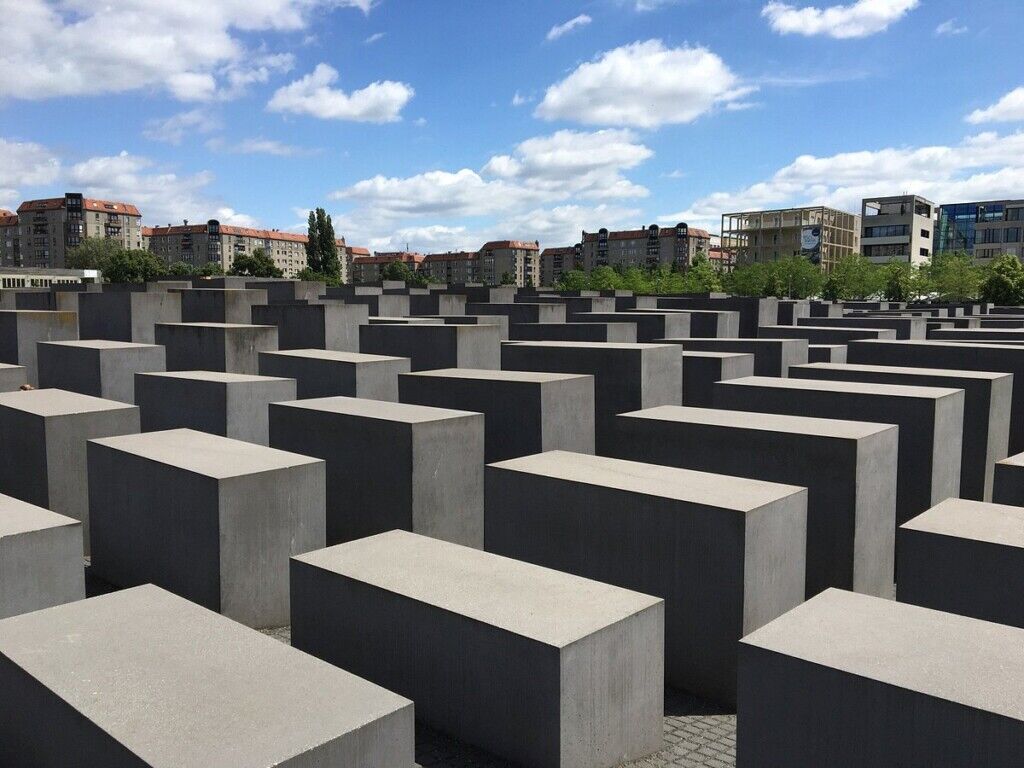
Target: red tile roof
[
  {"x": 494, "y": 245},
  {"x": 387, "y": 258},
  {"x": 8, "y": 219},
  {"x": 452, "y": 256},
  {"x": 146, "y": 231},
  {"x": 569, "y": 251},
  {"x": 356, "y": 250},
  {"x": 103, "y": 206},
  {"x": 262, "y": 234}
]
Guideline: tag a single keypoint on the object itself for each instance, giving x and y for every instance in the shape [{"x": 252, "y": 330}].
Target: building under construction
[{"x": 818, "y": 233}]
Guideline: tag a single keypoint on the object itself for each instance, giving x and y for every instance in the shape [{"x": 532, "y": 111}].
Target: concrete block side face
[
  {"x": 12, "y": 377},
  {"x": 167, "y": 402},
  {"x": 775, "y": 560},
  {"x": 662, "y": 376},
  {"x": 448, "y": 479},
  {"x": 147, "y": 309},
  {"x": 426, "y": 346},
  {"x": 264, "y": 520},
  {"x": 9, "y": 338},
  {"x": 389, "y": 741},
  {"x": 478, "y": 346},
  {"x": 494, "y": 689},
  {"x": 1007, "y": 485},
  {"x": 191, "y": 348},
  {"x": 104, "y": 316},
  {"x": 154, "y": 523},
  {"x": 76, "y": 370},
  {"x": 341, "y": 327},
  {"x": 874, "y": 535},
  {"x": 243, "y": 345},
  {"x": 1000, "y": 411},
  {"x": 40, "y": 569},
  {"x": 248, "y": 406},
  {"x": 948, "y": 447},
  {"x": 34, "y": 327},
  {"x": 24, "y": 472},
  {"x": 379, "y": 380},
  {"x": 117, "y": 369},
  {"x": 612, "y": 685},
  {"x": 567, "y": 415},
  {"x": 314, "y": 378}
]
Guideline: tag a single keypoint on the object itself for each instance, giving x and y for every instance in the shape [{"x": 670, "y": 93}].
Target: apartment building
[
  {"x": 10, "y": 242},
  {"x": 367, "y": 269},
  {"x": 897, "y": 229},
  {"x": 514, "y": 261},
  {"x": 452, "y": 267},
  {"x": 1003, "y": 235},
  {"x": 48, "y": 229},
  {"x": 555, "y": 262},
  {"x": 956, "y": 225},
  {"x": 653, "y": 246},
  {"x": 819, "y": 233}
]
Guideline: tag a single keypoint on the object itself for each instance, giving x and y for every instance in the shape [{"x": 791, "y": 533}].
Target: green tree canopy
[
  {"x": 313, "y": 258},
  {"x": 118, "y": 264},
  {"x": 852, "y": 277},
  {"x": 796, "y": 278},
  {"x": 896, "y": 280},
  {"x": 180, "y": 269},
  {"x": 573, "y": 280},
  {"x": 1003, "y": 283},
  {"x": 399, "y": 270},
  {"x": 210, "y": 269},
  {"x": 701, "y": 277},
  {"x": 954, "y": 276},
  {"x": 259, "y": 263},
  {"x": 507, "y": 278}
]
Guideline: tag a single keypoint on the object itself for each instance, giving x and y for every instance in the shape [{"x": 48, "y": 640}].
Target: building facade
[
  {"x": 653, "y": 246},
  {"x": 48, "y": 229},
  {"x": 10, "y": 240},
  {"x": 555, "y": 262},
  {"x": 994, "y": 237},
  {"x": 897, "y": 229},
  {"x": 956, "y": 225},
  {"x": 452, "y": 267},
  {"x": 819, "y": 233},
  {"x": 367, "y": 269},
  {"x": 514, "y": 261}
]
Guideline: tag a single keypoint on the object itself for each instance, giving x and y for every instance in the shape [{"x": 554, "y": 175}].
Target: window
[
  {"x": 990, "y": 236},
  {"x": 924, "y": 252},
  {"x": 1012, "y": 235},
  {"x": 894, "y": 230},
  {"x": 926, "y": 234}
]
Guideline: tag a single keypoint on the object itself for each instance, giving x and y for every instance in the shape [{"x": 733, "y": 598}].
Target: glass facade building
[{"x": 955, "y": 228}]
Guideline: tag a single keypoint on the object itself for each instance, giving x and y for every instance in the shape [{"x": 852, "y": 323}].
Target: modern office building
[
  {"x": 819, "y": 233},
  {"x": 994, "y": 237},
  {"x": 652, "y": 246},
  {"x": 367, "y": 269},
  {"x": 897, "y": 229},
  {"x": 512, "y": 261},
  {"x": 956, "y": 225},
  {"x": 555, "y": 262},
  {"x": 452, "y": 267}
]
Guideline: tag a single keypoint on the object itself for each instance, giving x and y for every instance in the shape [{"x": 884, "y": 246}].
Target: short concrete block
[
  {"x": 12, "y": 377},
  {"x": 435, "y": 346},
  {"x": 706, "y": 323},
  {"x": 905, "y": 327},
  {"x": 98, "y": 367},
  {"x": 316, "y": 326},
  {"x": 391, "y": 465},
  {"x": 822, "y": 335},
  {"x": 215, "y": 346},
  {"x": 21, "y": 330},
  {"x": 211, "y": 519},
  {"x": 649, "y": 325},
  {"x": 326, "y": 373},
  {"x": 220, "y": 305},
  {"x": 543, "y": 668},
  {"x": 772, "y": 357},
  {"x": 620, "y": 333},
  {"x": 520, "y": 313},
  {"x": 126, "y": 315},
  {"x": 1008, "y": 481},
  {"x": 826, "y": 353},
  {"x": 702, "y": 369}
]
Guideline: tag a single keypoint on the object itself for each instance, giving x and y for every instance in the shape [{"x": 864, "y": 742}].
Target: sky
[{"x": 440, "y": 124}]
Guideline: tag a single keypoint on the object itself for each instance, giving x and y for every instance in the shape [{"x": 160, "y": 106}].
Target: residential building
[
  {"x": 347, "y": 255},
  {"x": 554, "y": 262},
  {"x": 367, "y": 269},
  {"x": 512, "y": 261},
  {"x": 452, "y": 267},
  {"x": 818, "y": 233},
  {"x": 956, "y": 224},
  {"x": 1002, "y": 235},
  {"x": 673, "y": 247},
  {"x": 48, "y": 229},
  {"x": 897, "y": 229},
  {"x": 10, "y": 242}
]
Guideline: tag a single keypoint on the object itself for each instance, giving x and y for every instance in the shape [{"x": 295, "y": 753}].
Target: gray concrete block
[
  {"x": 499, "y": 320},
  {"x": 823, "y": 335},
  {"x": 215, "y": 346},
  {"x": 314, "y": 326},
  {"x": 825, "y": 309},
  {"x": 209, "y": 518},
  {"x": 725, "y": 553},
  {"x": 619, "y": 333},
  {"x": 627, "y": 377},
  {"x": 848, "y": 468},
  {"x": 791, "y": 311},
  {"x": 98, "y": 367},
  {"x": 21, "y": 330},
  {"x": 706, "y": 323},
  {"x": 435, "y": 346},
  {"x": 649, "y": 325},
  {"x": 325, "y": 373},
  {"x": 285, "y": 291},
  {"x": 984, "y": 335},
  {"x": 524, "y": 412},
  {"x": 905, "y": 327},
  {"x": 964, "y": 557},
  {"x": 12, "y": 377},
  {"x": 220, "y": 305},
  {"x": 391, "y": 465},
  {"x": 826, "y": 353},
  {"x": 40, "y": 558},
  {"x": 437, "y": 304},
  {"x": 987, "y": 401},
  {"x": 772, "y": 357},
  {"x": 702, "y": 369},
  {"x": 754, "y": 312},
  {"x": 543, "y": 668},
  {"x": 846, "y": 681},
  {"x": 378, "y": 305},
  {"x": 127, "y": 315},
  {"x": 1008, "y": 481},
  {"x": 160, "y": 682},
  {"x": 43, "y": 435},
  {"x": 931, "y": 422},
  {"x": 520, "y": 313},
  {"x": 228, "y": 404}
]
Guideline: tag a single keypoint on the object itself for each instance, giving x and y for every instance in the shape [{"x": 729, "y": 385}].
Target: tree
[
  {"x": 605, "y": 279},
  {"x": 955, "y": 276},
  {"x": 259, "y": 263},
  {"x": 308, "y": 274},
  {"x": 573, "y": 280},
  {"x": 180, "y": 269},
  {"x": 507, "y": 278},
  {"x": 313, "y": 258},
  {"x": 1004, "y": 281},
  {"x": 896, "y": 280},
  {"x": 755, "y": 279},
  {"x": 330, "y": 264},
  {"x": 852, "y": 277},
  {"x": 637, "y": 280},
  {"x": 796, "y": 277},
  {"x": 132, "y": 267},
  {"x": 210, "y": 269},
  {"x": 399, "y": 270},
  {"x": 701, "y": 277},
  {"x": 92, "y": 253}
]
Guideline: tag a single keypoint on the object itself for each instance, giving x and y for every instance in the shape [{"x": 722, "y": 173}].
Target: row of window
[
  {"x": 997, "y": 235},
  {"x": 893, "y": 230}
]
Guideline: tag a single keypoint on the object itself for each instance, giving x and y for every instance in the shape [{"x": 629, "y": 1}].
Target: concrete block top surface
[
  {"x": 32, "y": 312},
  {"x": 17, "y": 516},
  {"x": 732, "y": 493},
  {"x": 223, "y": 326},
  {"x": 57, "y": 402},
  {"x": 768, "y": 422},
  {"x": 205, "y": 454},
  {"x": 931, "y": 343},
  {"x": 179, "y": 685},
  {"x": 894, "y": 369},
  {"x": 975, "y": 663},
  {"x": 624, "y": 345},
  {"x": 548, "y": 606},
  {"x": 523, "y": 377},
  {"x": 100, "y": 344},
  {"x": 715, "y": 355},
  {"x": 332, "y": 355},
  {"x": 976, "y": 520},
  {"x": 1013, "y": 461},
  {"x": 218, "y": 377},
  {"x": 858, "y": 387},
  {"x": 377, "y": 409}
]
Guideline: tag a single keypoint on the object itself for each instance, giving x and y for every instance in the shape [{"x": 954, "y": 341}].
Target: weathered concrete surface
[
  {"x": 618, "y": 332},
  {"x": 520, "y": 313},
  {"x": 326, "y": 373},
  {"x": 20, "y": 330},
  {"x": 12, "y": 377},
  {"x": 499, "y": 320},
  {"x": 541, "y": 667},
  {"x": 706, "y": 323},
  {"x": 772, "y": 357},
  {"x": 215, "y": 346},
  {"x": 649, "y": 325},
  {"x": 823, "y": 335},
  {"x": 754, "y": 312},
  {"x": 905, "y": 327},
  {"x": 220, "y": 305},
  {"x": 725, "y": 553},
  {"x": 126, "y": 315},
  {"x": 316, "y": 326},
  {"x": 435, "y": 346},
  {"x": 97, "y": 367},
  {"x": 701, "y": 370}
]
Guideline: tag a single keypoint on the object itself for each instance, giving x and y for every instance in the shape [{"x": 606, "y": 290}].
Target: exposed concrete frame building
[
  {"x": 897, "y": 229},
  {"x": 673, "y": 247},
  {"x": 1002, "y": 235},
  {"x": 819, "y": 233}
]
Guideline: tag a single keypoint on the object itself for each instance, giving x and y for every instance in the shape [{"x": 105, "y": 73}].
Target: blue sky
[{"x": 443, "y": 124}]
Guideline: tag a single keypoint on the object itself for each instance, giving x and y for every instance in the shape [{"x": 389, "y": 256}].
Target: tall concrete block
[
  {"x": 43, "y": 435},
  {"x": 620, "y": 333},
  {"x": 326, "y": 373},
  {"x": 12, "y": 377},
  {"x": 702, "y": 369},
  {"x": 846, "y": 680},
  {"x": 987, "y": 401},
  {"x": 649, "y": 325},
  {"x": 435, "y": 346},
  {"x": 931, "y": 422},
  {"x": 97, "y": 367},
  {"x": 826, "y": 353},
  {"x": 314, "y": 326},
  {"x": 627, "y": 377},
  {"x": 1008, "y": 481},
  {"x": 228, "y": 404},
  {"x": 21, "y": 330},
  {"x": 543, "y": 668},
  {"x": 391, "y": 465},
  {"x": 215, "y": 346},
  {"x": 209, "y": 518},
  {"x": 905, "y": 327},
  {"x": 725, "y": 553},
  {"x": 848, "y": 468},
  {"x": 772, "y": 357},
  {"x": 823, "y": 335},
  {"x": 220, "y": 305},
  {"x": 242, "y": 698},
  {"x": 40, "y": 558},
  {"x": 126, "y": 315},
  {"x": 964, "y": 557},
  {"x": 524, "y": 411}
]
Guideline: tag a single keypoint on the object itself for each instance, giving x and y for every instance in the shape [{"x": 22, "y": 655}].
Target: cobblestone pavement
[{"x": 697, "y": 735}]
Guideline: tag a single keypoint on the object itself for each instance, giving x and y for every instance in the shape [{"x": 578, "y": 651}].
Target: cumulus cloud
[
  {"x": 644, "y": 85},
  {"x": 25, "y": 163},
  {"x": 313, "y": 94},
  {"x": 576, "y": 22},
  {"x": 174, "y": 129},
  {"x": 1010, "y": 108},
  {"x": 858, "y": 19}
]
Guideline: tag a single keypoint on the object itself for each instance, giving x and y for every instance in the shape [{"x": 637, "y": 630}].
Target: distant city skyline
[{"x": 440, "y": 125}]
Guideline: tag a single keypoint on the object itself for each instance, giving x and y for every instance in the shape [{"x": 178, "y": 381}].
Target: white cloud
[
  {"x": 257, "y": 146},
  {"x": 233, "y": 218},
  {"x": 858, "y": 19},
  {"x": 379, "y": 102},
  {"x": 518, "y": 99},
  {"x": 190, "y": 48},
  {"x": 1010, "y": 108},
  {"x": 559, "y": 30},
  {"x": 643, "y": 6},
  {"x": 644, "y": 85},
  {"x": 26, "y": 164},
  {"x": 949, "y": 28},
  {"x": 175, "y": 128},
  {"x": 376, "y": 36}
]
